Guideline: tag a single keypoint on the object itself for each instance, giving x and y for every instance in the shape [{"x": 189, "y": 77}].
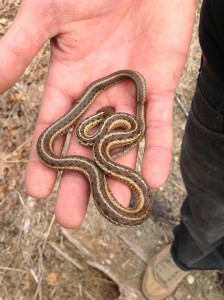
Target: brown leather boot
[{"x": 162, "y": 276}]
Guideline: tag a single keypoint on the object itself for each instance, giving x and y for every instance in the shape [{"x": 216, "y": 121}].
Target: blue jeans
[{"x": 199, "y": 238}]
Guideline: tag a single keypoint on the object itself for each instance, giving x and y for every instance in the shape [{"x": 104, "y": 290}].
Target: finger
[
  {"x": 58, "y": 98},
  {"x": 72, "y": 199},
  {"x": 124, "y": 96},
  {"x": 74, "y": 191},
  {"x": 28, "y": 33},
  {"x": 159, "y": 136},
  {"x": 39, "y": 178}
]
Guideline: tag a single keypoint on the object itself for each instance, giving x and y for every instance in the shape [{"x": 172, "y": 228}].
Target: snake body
[{"x": 110, "y": 136}]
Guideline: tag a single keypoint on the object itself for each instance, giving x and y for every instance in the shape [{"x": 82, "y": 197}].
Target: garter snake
[{"x": 103, "y": 164}]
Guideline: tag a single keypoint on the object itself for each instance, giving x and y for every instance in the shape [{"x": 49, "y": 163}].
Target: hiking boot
[{"x": 162, "y": 276}]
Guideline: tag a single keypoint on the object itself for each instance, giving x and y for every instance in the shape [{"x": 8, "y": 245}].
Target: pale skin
[{"x": 90, "y": 39}]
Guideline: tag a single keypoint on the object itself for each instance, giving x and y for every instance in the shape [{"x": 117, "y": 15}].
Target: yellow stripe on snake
[{"x": 118, "y": 130}]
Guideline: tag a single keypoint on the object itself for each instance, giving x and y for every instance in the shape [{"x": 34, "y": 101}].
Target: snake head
[{"x": 107, "y": 110}]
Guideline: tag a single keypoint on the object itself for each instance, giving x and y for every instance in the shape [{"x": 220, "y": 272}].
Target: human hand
[{"x": 90, "y": 39}]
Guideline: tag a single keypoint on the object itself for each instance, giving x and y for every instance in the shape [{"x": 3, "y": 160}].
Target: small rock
[
  {"x": 176, "y": 158},
  {"x": 190, "y": 279},
  {"x": 138, "y": 233},
  {"x": 26, "y": 225},
  {"x": 112, "y": 255},
  {"x": 108, "y": 261}
]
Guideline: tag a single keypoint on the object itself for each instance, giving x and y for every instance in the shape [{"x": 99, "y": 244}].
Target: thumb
[{"x": 26, "y": 36}]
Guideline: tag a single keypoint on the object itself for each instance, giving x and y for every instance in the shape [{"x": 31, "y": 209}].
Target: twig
[
  {"x": 21, "y": 199},
  {"x": 89, "y": 296},
  {"x": 106, "y": 271},
  {"x": 135, "y": 249},
  {"x": 12, "y": 269},
  {"x": 48, "y": 233},
  {"x": 74, "y": 242},
  {"x": 34, "y": 275},
  {"x": 66, "y": 256},
  {"x": 36, "y": 62},
  {"x": 5, "y": 6},
  {"x": 3, "y": 201},
  {"x": 40, "y": 276},
  {"x": 5, "y": 208},
  {"x": 17, "y": 149},
  {"x": 179, "y": 187},
  {"x": 13, "y": 161},
  {"x": 181, "y": 105}
]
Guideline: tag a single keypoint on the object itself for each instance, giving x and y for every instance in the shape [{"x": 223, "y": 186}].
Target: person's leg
[
  {"x": 200, "y": 235},
  {"x": 199, "y": 239},
  {"x": 211, "y": 34}
]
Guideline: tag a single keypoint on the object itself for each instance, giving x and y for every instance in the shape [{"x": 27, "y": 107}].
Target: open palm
[{"x": 90, "y": 39}]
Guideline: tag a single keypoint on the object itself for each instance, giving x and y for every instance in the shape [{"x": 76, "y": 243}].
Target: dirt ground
[{"x": 41, "y": 260}]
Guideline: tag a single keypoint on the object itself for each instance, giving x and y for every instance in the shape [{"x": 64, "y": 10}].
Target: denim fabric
[{"x": 199, "y": 238}]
